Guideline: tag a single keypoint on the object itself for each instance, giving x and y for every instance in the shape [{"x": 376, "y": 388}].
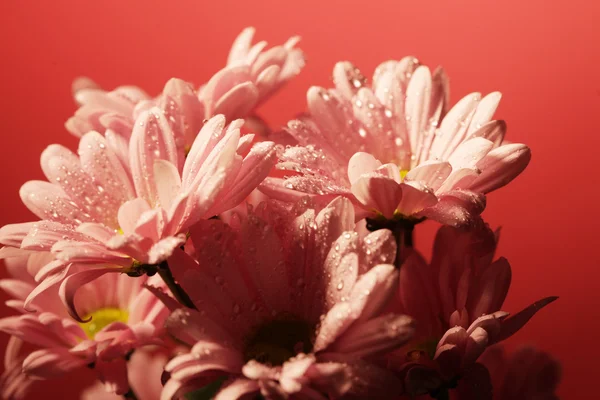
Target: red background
[{"x": 543, "y": 56}]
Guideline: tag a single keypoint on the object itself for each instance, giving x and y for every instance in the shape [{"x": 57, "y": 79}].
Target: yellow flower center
[
  {"x": 403, "y": 173},
  {"x": 102, "y": 318}
]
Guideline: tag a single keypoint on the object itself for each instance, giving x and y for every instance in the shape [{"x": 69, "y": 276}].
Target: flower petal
[
  {"x": 501, "y": 166},
  {"x": 378, "y": 193},
  {"x": 361, "y": 163}
]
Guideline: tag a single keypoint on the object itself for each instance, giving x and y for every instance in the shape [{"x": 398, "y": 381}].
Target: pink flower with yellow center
[
  {"x": 119, "y": 213},
  {"x": 393, "y": 148},
  {"x": 120, "y": 316}
]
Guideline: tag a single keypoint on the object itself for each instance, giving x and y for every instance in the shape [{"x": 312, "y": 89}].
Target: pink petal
[
  {"x": 373, "y": 290},
  {"x": 13, "y": 234},
  {"x": 221, "y": 83},
  {"x": 368, "y": 297},
  {"x": 50, "y": 363},
  {"x": 95, "y": 231},
  {"x": 418, "y": 104},
  {"x": 430, "y": 174},
  {"x": 457, "y": 208},
  {"x": 476, "y": 345},
  {"x": 454, "y": 126},
  {"x": 218, "y": 164},
  {"x": 113, "y": 374},
  {"x": 343, "y": 271},
  {"x": 184, "y": 111},
  {"x": 241, "y": 46},
  {"x": 259, "y": 371},
  {"x": 378, "y": 193},
  {"x": 189, "y": 327},
  {"x": 168, "y": 182},
  {"x": 205, "y": 357},
  {"x": 376, "y": 336},
  {"x": 267, "y": 80},
  {"x": 238, "y": 101},
  {"x": 417, "y": 294},
  {"x": 255, "y": 168},
  {"x": 276, "y": 188},
  {"x": 130, "y": 213},
  {"x": 459, "y": 179},
  {"x": 365, "y": 380},
  {"x": 73, "y": 282},
  {"x": 501, "y": 166},
  {"x": 485, "y": 111},
  {"x": 152, "y": 139},
  {"x": 50, "y": 281},
  {"x": 60, "y": 165},
  {"x": 470, "y": 152},
  {"x": 493, "y": 131},
  {"x": 99, "y": 161},
  {"x": 224, "y": 287},
  {"x": 347, "y": 78},
  {"x": 50, "y": 202},
  {"x": 164, "y": 248},
  {"x": 379, "y": 247},
  {"x": 15, "y": 288},
  {"x": 211, "y": 132},
  {"x": 361, "y": 163},
  {"x": 334, "y": 219},
  {"x": 511, "y": 325},
  {"x": 325, "y": 109},
  {"x": 120, "y": 147},
  {"x": 415, "y": 198},
  {"x": 275, "y": 56},
  {"x": 237, "y": 389},
  {"x": 492, "y": 289}
]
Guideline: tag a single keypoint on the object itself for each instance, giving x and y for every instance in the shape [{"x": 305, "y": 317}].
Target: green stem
[
  {"x": 402, "y": 229},
  {"x": 404, "y": 242},
  {"x": 180, "y": 295}
]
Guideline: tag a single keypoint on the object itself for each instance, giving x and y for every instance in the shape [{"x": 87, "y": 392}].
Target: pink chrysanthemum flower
[
  {"x": 251, "y": 76},
  {"x": 119, "y": 317},
  {"x": 456, "y": 301},
  {"x": 102, "y": 207},
  {"x": 391, "y": 148},
  {"x": 145, "y": 369},
  {"x": 527, "y": 374},
  {"x": 291, "y": 307}
]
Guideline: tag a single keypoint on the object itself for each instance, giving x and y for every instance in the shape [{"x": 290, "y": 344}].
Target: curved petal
[
  {"x": 378, "y": 193},
  {"x": 152, "y": 139},
  {"x": 457, "y": 208},
  {"x": 237, "y": 389},
  {"x": 50, "y": 363},
  {"x": 511, "y": 325},
  {"x": 415, "y": 198},
  {"x": 73, "y": 282},
  {"x": 361, "y": 163},
  {"x": 501, "y": 166}
]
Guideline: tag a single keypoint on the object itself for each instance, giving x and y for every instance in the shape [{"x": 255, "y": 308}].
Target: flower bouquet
[{"x": 187, "y": 250}]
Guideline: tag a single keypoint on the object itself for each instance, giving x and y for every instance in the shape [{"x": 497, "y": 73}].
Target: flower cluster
[{"x": 173, "y": 258}]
